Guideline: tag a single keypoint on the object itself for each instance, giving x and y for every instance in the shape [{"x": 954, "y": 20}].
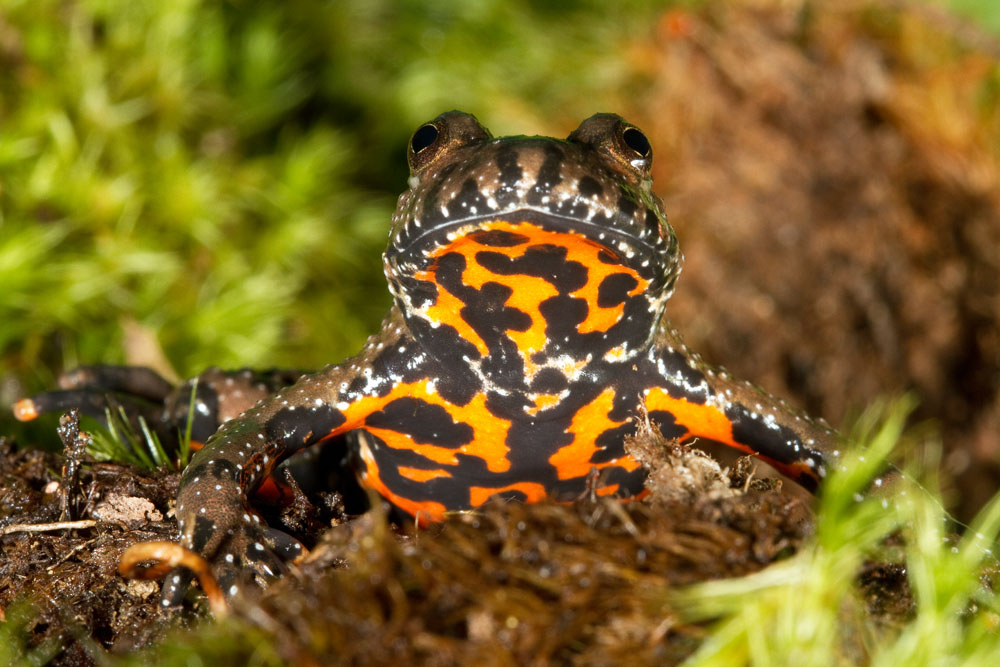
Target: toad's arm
[
  {"x": 212, "y": 502},
  {"x": 689, "y": 398}
]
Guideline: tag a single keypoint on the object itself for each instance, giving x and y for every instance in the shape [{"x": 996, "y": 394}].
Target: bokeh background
[{"x": 188, "y": 183}]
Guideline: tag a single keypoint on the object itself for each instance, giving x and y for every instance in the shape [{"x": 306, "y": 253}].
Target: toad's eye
[
  {"x": 423, "y": 138},
  {"x": 637, "y": 141},
  {"x": 436, "y": 139}
]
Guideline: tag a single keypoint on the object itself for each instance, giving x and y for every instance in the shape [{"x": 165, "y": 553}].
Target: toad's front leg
[
  {"x": 145, "y": 399},
  {"x": 213, "y": 509},
  {"x": 688, "y": 398}
]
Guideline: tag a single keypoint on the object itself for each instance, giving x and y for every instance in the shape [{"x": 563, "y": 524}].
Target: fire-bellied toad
[{"x": 526, "y": 341}]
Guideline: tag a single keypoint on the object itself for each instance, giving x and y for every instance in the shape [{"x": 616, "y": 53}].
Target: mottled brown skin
[{"x": 527, "y": 340}]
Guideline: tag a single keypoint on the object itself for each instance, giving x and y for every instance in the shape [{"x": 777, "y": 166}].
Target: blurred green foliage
[{"x": 222, "y": 173}]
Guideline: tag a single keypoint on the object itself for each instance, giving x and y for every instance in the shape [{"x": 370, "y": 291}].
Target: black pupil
[
  {"x": 423, "y": 138},
  {"x": 637, "y": 141}
]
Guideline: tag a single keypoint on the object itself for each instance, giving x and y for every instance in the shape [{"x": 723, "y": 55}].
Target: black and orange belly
[{"x": 532, "y": 306}]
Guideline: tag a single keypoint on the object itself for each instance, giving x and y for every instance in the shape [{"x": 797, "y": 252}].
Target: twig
[
  {"x": 74, "y": 446},
  {"x": 47, "y": 527}
]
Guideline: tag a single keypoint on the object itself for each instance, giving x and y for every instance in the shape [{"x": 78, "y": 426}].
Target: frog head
[{"x": 530, "y": 257}]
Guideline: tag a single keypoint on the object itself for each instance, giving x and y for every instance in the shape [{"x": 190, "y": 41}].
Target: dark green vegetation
[{"x": 194, "y": 183}]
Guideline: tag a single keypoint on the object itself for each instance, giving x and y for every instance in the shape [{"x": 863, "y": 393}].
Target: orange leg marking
[{"x": 706, "y": 421}]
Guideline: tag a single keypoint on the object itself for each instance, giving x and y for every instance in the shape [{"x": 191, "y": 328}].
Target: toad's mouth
[{"x": 527, "y": 227}]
